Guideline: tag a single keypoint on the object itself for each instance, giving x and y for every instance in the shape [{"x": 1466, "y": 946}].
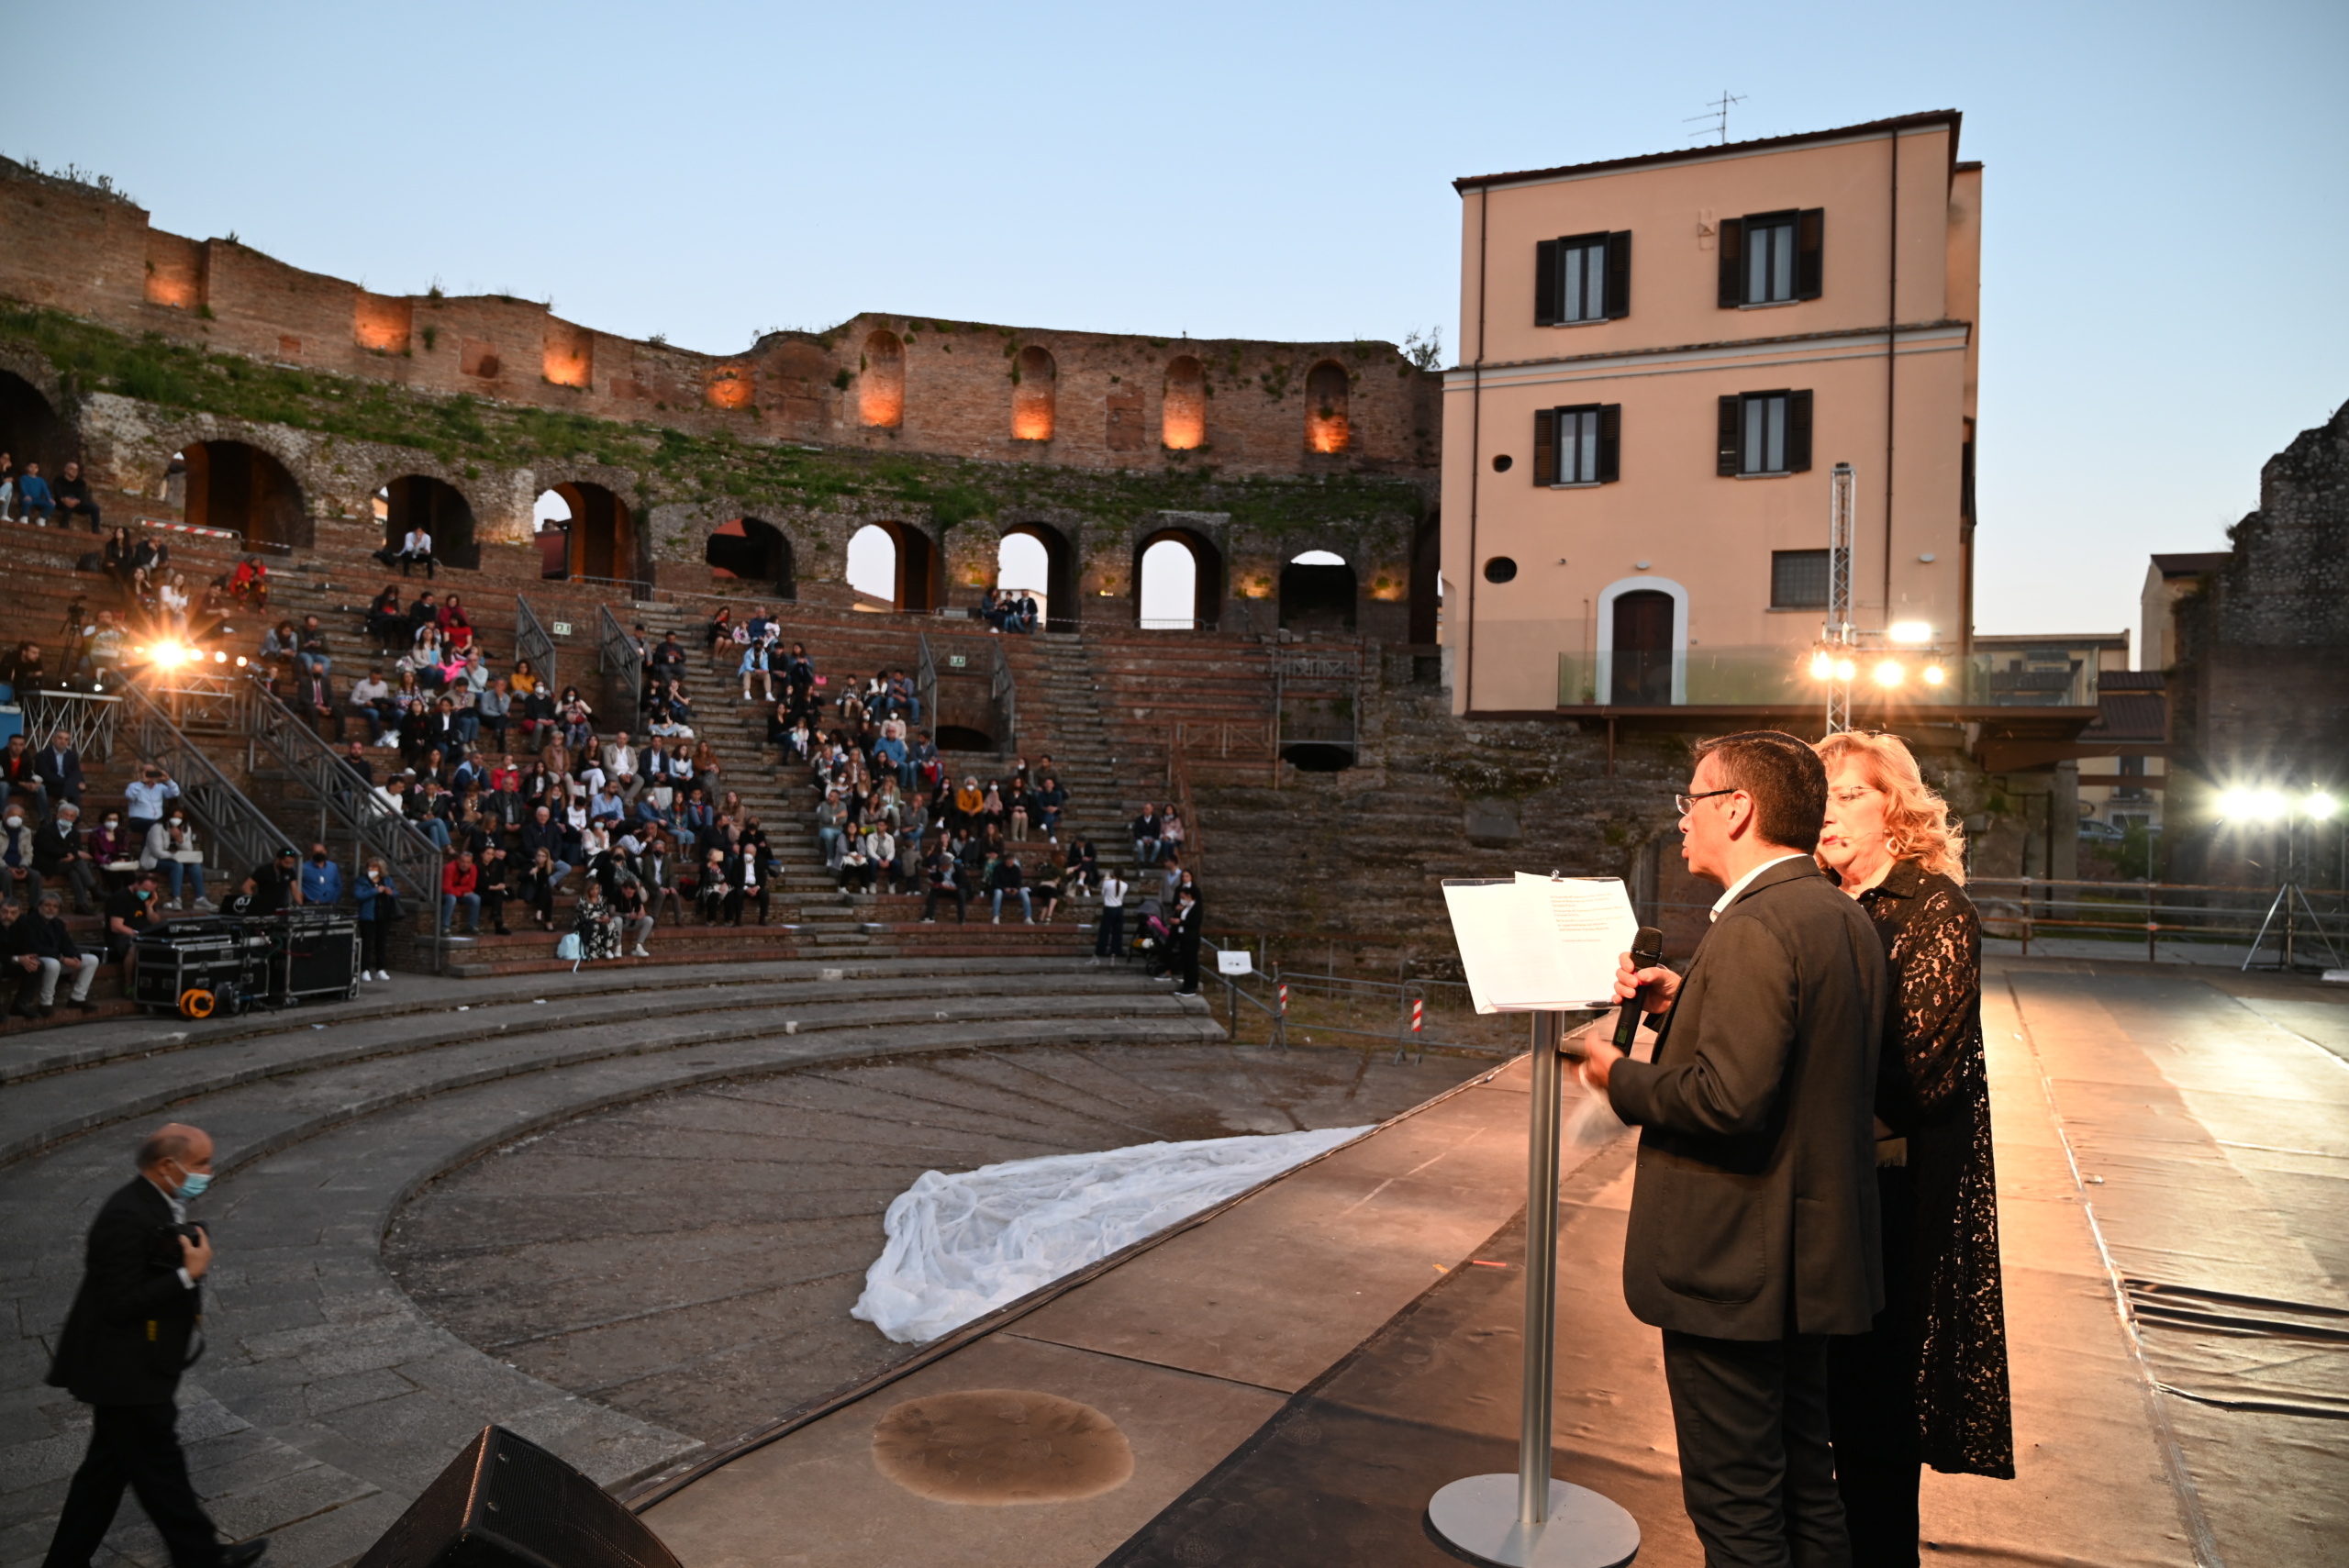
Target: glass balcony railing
[{"x": 1779, "y": 676}]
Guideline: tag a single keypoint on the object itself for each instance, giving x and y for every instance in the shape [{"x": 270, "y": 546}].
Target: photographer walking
[{"x": 122, "y": 1350}]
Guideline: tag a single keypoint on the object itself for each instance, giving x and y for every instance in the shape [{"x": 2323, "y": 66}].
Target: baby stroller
[{"x": 1154, "y": 939}]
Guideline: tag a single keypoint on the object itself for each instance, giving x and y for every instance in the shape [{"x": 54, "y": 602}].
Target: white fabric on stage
[{"x": 961, "y": 1246}]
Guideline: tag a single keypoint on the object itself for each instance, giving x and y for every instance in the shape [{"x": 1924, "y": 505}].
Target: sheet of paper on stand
[{"x": 1539, "y": 943}]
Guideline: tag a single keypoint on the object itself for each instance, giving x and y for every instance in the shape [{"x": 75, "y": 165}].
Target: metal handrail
[
  {"x": 926, "y": 680},
  {"x": 238, "y": 830},
  {"x": 531, "y": 643},
  {"x": 617, "y": 653},
  {"x": 90, "y": 718},
  {"x": 375, "y": 828},
  {"x": 1005, "y": 691}
]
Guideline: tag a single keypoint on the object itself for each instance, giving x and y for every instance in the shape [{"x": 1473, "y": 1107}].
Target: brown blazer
[{"x": 1754, "y": 1210}]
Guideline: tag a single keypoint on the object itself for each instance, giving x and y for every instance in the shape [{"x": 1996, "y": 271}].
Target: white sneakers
[{"x": 639, "y": 951}]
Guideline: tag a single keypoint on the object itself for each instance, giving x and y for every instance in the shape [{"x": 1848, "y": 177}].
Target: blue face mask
[{"x": 193, "y": 1184}]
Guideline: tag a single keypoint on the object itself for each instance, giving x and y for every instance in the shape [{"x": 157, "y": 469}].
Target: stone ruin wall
[{"x": 880, "y": 386}]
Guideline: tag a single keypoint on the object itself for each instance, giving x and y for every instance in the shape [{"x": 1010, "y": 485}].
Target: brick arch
[
  {"x": 1034, "y": 394},
  {"x": 756, "y": 551},
  {"x": 1208, "y": 568},
  {"x": 605, "y": 536},
  {"x": 881, "y": 383},
  {"x": 1328, "y": 392},
  {"x": 921, "y": 562},
  {"x": 1062, "y": 604},
  {"x": 1183, "y": 410},
  {"x": 31, "y": 428},
  {"x": 445, "y": 511}
]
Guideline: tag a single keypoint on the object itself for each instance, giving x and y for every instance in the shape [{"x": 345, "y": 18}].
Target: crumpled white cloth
[{"x": 962, "y": 1246}]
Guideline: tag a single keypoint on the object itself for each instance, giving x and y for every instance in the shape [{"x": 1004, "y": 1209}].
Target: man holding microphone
[
  {"x": 122, "y": 1350},
  {"x": 1754, "y": 1233}
]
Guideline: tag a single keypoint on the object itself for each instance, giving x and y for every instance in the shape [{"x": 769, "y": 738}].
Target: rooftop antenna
[{"x": 1717, "y": 113}]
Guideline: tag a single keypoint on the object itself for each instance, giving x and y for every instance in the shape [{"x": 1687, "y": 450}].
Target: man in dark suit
[
  {"x": 1754, "y": 1233},
  {"x": 123, "y": 1348},
  {"x": 59, "y": 768}
]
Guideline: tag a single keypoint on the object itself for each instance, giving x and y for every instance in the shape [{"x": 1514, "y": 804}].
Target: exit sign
[
  {"x": 955, "y": 661},
  {"x": 562, "y": 629}
]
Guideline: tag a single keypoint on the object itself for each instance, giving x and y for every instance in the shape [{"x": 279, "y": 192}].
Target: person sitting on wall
[
  {"x": 249, "y": 585},
  {"x": 387, "y": 622},
  {"x": 34, "y": 502},
  {"x": 73, "y": 494},
  {"x": 416, "y": 550}
]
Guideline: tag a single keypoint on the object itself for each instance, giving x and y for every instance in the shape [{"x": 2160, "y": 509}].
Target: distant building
[
  {"x": 2168, "y": 578},
  {"x": 1663, "y": 357}
]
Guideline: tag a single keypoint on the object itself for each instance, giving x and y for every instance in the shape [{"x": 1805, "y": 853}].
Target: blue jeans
[
  {"x": 434, "y": 828},
  {"x": 1027, "y": 909},
  {"x": 192, "y": 871},
  {"x": 448, "y": 901}
]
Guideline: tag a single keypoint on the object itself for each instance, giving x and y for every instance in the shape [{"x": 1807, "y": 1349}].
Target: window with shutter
[
  {"x": 1733, "y": 424},
  {"x": 1545, "y": 447},
  {"x": 1577, "y": 439},
  {"x": 1810, "y": 238},
  {"x": 1732, "y": 273},
  {"x": 1546, "y": 283},
  {"x": 1798, "y": 432},
  {"x": 1610, "y": 442},
  {"x": 1797, "y": 579},
  {"x": 1618, "y": 274}
]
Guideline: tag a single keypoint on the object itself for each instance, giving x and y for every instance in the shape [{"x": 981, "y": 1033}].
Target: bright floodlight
[
  {"x": 1935, "y": 674},
  {"x": 1844, "y": 669},
  {"x": 2268, "y": 804},
  {"x": 1822, "y": 666},
  {"x": 167, "y": 654},
  {"x": 219, "y": 657},
  {"x": 1912, "y": 633},
  {"x": 1890, "y": 672},
  {"x": 2319, "y": 806}
]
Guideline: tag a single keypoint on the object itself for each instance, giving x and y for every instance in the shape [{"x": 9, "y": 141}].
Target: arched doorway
[
  {"x": 1168, "y": 562},
  {"x": 893, "y": 567},
  {"x": 31, "y": 431},
  {"x": 1427, "y": 564},
  {"x": 754, "y": 551},
  {"x": 550, "y": 531},
  {"x": 415, "y": 500},
  {"x": 598, "y": 529},
  {"x": 1641, "y": 642},
  {"x": 1327, "y": 428},
  {"x": 243, "y": 490},
  {"x": 1037, "y": 558},
  {"x": 1318, "y": 592}
]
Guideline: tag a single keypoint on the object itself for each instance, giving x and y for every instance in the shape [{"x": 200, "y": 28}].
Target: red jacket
[{"x": 457, "y": 879}]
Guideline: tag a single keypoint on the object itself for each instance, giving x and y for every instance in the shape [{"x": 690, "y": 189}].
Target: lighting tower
[{"x": 1837, "y": 642}]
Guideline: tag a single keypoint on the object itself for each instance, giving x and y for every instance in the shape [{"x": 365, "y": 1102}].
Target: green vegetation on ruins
[{"x": 471, "y": 434}]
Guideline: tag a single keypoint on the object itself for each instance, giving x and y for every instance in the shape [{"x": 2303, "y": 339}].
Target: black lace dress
[{"x": 1945, "y": 1314}]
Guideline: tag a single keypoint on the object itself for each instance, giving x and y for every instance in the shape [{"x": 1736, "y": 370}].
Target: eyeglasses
[{"x": 1687, "y": 803}]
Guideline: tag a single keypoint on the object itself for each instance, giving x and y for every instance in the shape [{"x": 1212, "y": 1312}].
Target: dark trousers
[
  {"x": 372, "y": 935},
  {"x": 1757, "y": 1475},
  {"x": 1110, "y": 943},
  {"x": 1872, "y": 1397},
  {"x": 134, "y": 1446},
  {"x": 962, "y": 903}
]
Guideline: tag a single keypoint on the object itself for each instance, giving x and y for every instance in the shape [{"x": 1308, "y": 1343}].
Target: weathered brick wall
[
  {"x": 92, "y": 254},
  {"x": 2261, "y": 695}
]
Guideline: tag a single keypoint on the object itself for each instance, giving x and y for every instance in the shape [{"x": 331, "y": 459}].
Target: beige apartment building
[{"x": 1663, "y": 359}]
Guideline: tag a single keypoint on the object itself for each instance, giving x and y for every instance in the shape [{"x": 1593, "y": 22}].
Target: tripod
[{"x": 2289, "y": 902}]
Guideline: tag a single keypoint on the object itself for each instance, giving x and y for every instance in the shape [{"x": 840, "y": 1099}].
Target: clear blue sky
[{"x": 2166, "y": 201}]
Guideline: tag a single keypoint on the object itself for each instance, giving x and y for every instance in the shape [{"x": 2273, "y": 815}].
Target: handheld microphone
[{"x": 1647, "y": 951}]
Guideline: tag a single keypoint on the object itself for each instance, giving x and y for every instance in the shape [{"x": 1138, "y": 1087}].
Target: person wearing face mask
[
  {"x": 171, "y": 848},
  {"x": 18, "y": 876},
  {"x": 124, "y": 1345},
  {"x": 60, "y": 855},
  {"x": 130, "y": 912},
  {"x": 321, "y": 878}
]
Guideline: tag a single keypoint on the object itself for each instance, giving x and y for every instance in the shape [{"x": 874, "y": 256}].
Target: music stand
[{"x": 1530, "y": 1519}]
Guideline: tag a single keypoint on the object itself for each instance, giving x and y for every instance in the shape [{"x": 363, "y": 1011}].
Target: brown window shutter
[
  {"x": 1798, "y": 432},
  {"x": 1545, "y": 445},
  {"x": 1618, "y": 274},
  {"x": 1610, "y": 442},
  {"x": 1810, "y": 236},
  {"x": 1733, "y": 248},
  {"x": 1546, "y": 283},
  {"x": 1732, "y": 425}
]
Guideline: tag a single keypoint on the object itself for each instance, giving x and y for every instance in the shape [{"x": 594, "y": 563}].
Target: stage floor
[{"x": 1296, "y": 1375}]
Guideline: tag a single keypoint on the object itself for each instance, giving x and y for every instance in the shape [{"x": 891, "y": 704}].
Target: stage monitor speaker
[{"x": 507, "y": 1503}]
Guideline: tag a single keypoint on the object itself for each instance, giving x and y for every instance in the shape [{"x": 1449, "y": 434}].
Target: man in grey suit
[{"x": 1754, "y": 1231}]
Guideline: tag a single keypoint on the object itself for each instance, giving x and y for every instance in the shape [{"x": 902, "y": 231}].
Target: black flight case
[{"x": 219, "y": 964}]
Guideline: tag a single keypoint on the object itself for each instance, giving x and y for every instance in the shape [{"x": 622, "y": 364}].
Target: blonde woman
[{"x": 1928, "y": 1385}]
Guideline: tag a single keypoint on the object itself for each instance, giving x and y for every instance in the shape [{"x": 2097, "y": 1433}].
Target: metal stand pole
[{"x": 1528, "y": 1519}]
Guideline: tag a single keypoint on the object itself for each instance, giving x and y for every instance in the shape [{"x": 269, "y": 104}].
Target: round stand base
[{"x": 1478, "y": 1515}]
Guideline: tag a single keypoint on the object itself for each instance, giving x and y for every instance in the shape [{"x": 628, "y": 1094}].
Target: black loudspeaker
[{"x": 507, "y": 1503}]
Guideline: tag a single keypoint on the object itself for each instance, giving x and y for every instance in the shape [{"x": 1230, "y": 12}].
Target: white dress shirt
[{"x": 1730, "y": 895}]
